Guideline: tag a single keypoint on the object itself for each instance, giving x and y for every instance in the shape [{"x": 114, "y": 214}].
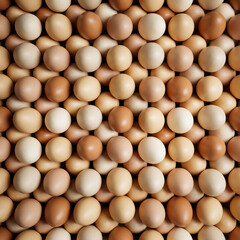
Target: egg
[
  {"x": 43, "y": 13},
  {"x": 224, "y": 42},
  {"x": 225, "y": 74},
  {"x": 5, "y": 118},
  {"x": 152, "y": 89},
  {"x": 28, "y": 212},
  {"x": 151, "y": 179},
  {"x": 86, "y": 211},
  {"x": 89, "y": 232},
  {"x": 5, "y": 58},
  {"x": 42, "y": 73},
  {"x": 74, "y": 133},
  {"x": 6, "y": 86},
  {"x": 195, "y": 134},
  {"x": 5, "y": 149},
  {"x": 234, "y": 87},
  {"x": 56, "y": 182},
  {"x": 119, "y": 181},
  {"x": 57, "y": 211},
  {"x": 89, "y": 25},
  {"x": 6, "y": 208},
  {"x": 234, "y": 119},
  {"x": 105, "y": 11},
  {"x": 120, "y": 232},
  {"x": 194, "y": 73},
  {"x": 119, "y": 149},
  {"x": 58, "y": 6},
  {"x": 29, "y": 234},
  {"x": 120, "y": 5},
  {"x": 164, "y": 104},
  {"x": 6, "y": 27},
  {"x": 212, "y": 148},
  {"x": 226, "y": 101},
  {"x": 234, "y": 234},
  {"x": 122, "y": 209},
  {"x": 180, "y": 58},
  {"x": 210, "y": 232},
  {"x": 5, "y": 233},
  {"x": 179, "y": 211},
  {"x": 227, "y": 223},
  {"x": 152, "y": 213},
  {"x": 59, "y": 233},
  {"x": 122, "y": 31},
  {"x": 166, "y": 165},
  {"x": 209, "y": 210},
  {"x": 103, "y": 195},
  {"x": 26, "y": 179},
  {"x": 195, "y": 12}
]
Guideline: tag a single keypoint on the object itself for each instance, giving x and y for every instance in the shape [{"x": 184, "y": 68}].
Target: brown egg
[
  {"x": 122, "y": 209},
  {"x": 74, "y": 133},
  {"x": 225, "y": 74},
  {"x": 28, "y": 89},
  {"x": 104, "y": 74},
  {"x": 179, "y": 211},
  {"x": 57, "y": 211},
  {"x": 73, "y": 12},
  {"x": 56, "y": 21},
  {"x": 119, "y": 58},
  {"x": 28, "y": 212},
  {"x": 165, "y": 13},
  {"x": 212, "y": 148},
  {"x": 5, "y": 118},
  {"x": 119, "y": 233},
  {"x": 119, "y": 31},
  {"x": 233, "y": 27},
  {"x": 42, "y": 73},
  {"x": 209, "y": 210},
  {"x": 165, "y": 227},
  {"x": 195, "y": 134},
  {"x": 12, "y": 41},
  {"x": 89, "y": 148},
  {"x": 165, "y": 135},
  {"x": 181, "y": 27},
  {"x": 234, "y": 207},
  {"x": 233, "y": 148},
  {"x": 214, "y": 21},
  {"x": 152, "y": 213},
  {"x": 6, "y": 208},
  {"x": 6, "y": 86},
  {"x": 43, "y": 105},
  {"x": 180, "y": 182},
  {"x": 43, "y": 135},
  {"x": 180, "y": 58},
  {"x": 56, "y": 182},
  {"x": 164, "y": 104},
  {"x": 103, "y": 195},
  {"x": 234, "y": 87},
  {"x": 89, "y": 25},
  {"x": 74, "y": 43},
  {"x": 5, "y": 234},
  {"x": 195, "y": 12},
  {"x": 151, "y": 89},
  {"x": 5, "y": 58},
  {"x": 179, "y": 89},
  {"x": 57, "y": 89},
  {"x": 226, "y": 196},
  {"x": 234, "y": 118},
  {"x": 6, "y": 27},
  {"x": 43, "y": 13},
  {"x": 5, "y": 149},
  {"x": 44, "y": 164},
  {"x": 136, "y": 193},
  {"x": 121, "y": 5},
  {"x": 234, "y": 235},
  {"x": 120, "y": 119},
  {"x": 28, "y": 235},
  {"x": 3, "y": 6},
  {"x": 119, "y": 149}
]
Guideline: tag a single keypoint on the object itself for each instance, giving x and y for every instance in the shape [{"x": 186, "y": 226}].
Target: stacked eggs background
[{"x": 119, "y": 119}]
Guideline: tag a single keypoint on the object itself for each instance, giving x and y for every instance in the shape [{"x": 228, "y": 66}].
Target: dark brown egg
[
  {"x": 233, "y": 27},
  {"x": 195, "y": 12},
  {"x": 43, "y": 105},
  {"x": 234, "y": 119},
  {"x": 5, "y": 118},
  {"x": 120, "y": 233},
  {"x": 233, "y": 148},
  {"x": 179, "y": 211},
  {"x": 5, "y": 234},
  {"x": 179, "y": 89},
  {"x": 57, "y": 211},
  {"x": 4, "y": 4},
  {"x": 121, "y": 5},
  {"x": 57, "y": 89},
  {"x": 165, "y": 135},
  {"x": 234, "y": 235},
  {"x": 120, "y": 119},
  {"x": 212, "y": 148},
  {"x": 134, "y": 42},
  {"x": 28, "y": 89},
  {"x": 195, "y": 134},
  {"x": 89, "y": 25},
  {"x": 12, "y": 42},
  {"x": 73, "y": 12},
  {"x": 5, "y": 27},
  {"x": 119, "y": 31},
  {"x": 5, "y": 148},
  {"x": 43, "y": 13},
  {"x": 89, "y": 148},
  {"x": 74, "y": 133},
  {"x": 212, "y": 25},
  {"x": 235, "y": 4},
  {"x": 43, "y": 135},
  {"x": 165, "y": 13},
  {"x": 225, "y": 74}
]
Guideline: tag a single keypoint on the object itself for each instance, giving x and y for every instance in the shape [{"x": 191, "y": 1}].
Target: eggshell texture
[
  {"x": 152, "y": 213},
  {"x": 120, "y": 5},
  {"x": 86, "y": 211},
  {"x": 233, "y": 27},
  {"x": 57, "y": 211},
  {"x": 89, "y": 25},
  {"x": 120, "y": 232},
  {"x": 29, "y": 234},
  {"x": 234, "y": 118},
  {"x": 5, "y": 118},
  {"x": 179, "y": 211},
  {"x": 233, "y": 148},
  {"x": 28, "y": 212},
  {"x": 56, "y": 182},
  {"x": 5, "y": 149},
  {"x": 89, "y": 232},
  {"x": 234, "y": 86},
  {"x": 6, "y": 208},
  {"x": 210, "y": 232},
  {"x": 5, "y": 234},
  {"x": 58, "y": 233}
]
